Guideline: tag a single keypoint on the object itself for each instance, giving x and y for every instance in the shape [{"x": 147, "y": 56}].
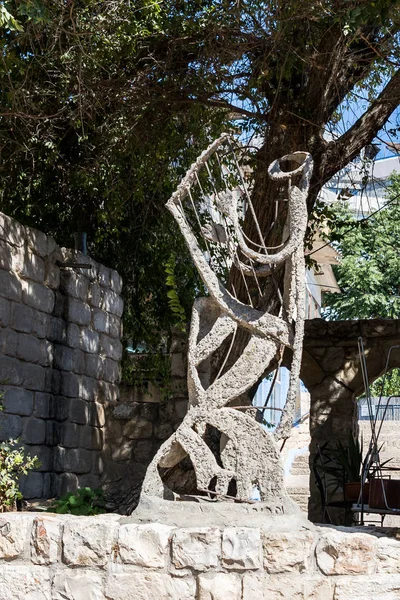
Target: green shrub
[
  {"x": 83, "y": 502},
  {"x": 13, "y": 464}
]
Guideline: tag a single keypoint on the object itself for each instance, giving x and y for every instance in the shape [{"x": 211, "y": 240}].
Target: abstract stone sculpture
[{"x": 249, "y": 455}]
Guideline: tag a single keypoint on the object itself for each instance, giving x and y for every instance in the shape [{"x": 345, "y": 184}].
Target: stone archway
[{"x": 331, "y": 372}]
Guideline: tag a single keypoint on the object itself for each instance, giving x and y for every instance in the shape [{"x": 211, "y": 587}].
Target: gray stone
[
  {"x": 162, "y": 432},
  {"x": 73, "y": 335},
  {"x": 181, "y": 408},
  {"x": 34, "y": 431},
  {"x": 50, "y": 485},
  {"x": 49, "y": 357},
  {"x": 178, "y": 366},
  {"x": 77, "y": 311},
  {"x": 59, "y": 304},
  {"x": 104, "y": 276},
  {"x": 32, "y": 485},
  {"x": 74, "y": 460},
  {"x": 68, "y": 482},
  {"x": 95, "y": 295},
  {"x": 97, "y": 464},
  {"x": 11, "y": 231},
  {"x": 111, "y": 371},
  {"x": 61, "y": 408},
  {"x": 45, "y": 456},
  {"x": 53, "y": 377},
  {"x": 40, "y": 323},
  {"x": 112, "y": 303},
  {"x": 63, "y": 358},
  {"x": 42, "y": 405},
  {"x": 79, "y": 411},
  {"x": 94, "y": 366},
  {"x": 73, "y": 284},
  {"x": 69, "y": 384},
  {"x": 8, "y": 341},
  {"x": 52, "y": 276},
  {"x": 32, "y": 267},
  {"x": 22, "y": 318},
  {"x": 116, "y": 282},
  {"x": 38, "y": 296},
  {"x": 10, "y": 286},
  {"x": 5, "y": 256},
  {"x": 87, "y": 388},
  {"x": 79, "y": 364},
  {"x": 5, "y": 312},
  {"x": 31, "y": 349},
  {"x": 91, "y": 438},
  {"x": 91, "y": 480},
  {"x": 17, "y": 401},
  {"x": 110, "y": 347},
  {"x": 89, "y": 341},
  {"x": 10, "y": 426},
  {"x": 100, "y": 321},
  {"x": 37, "y": 241},
  {"x": 57, "y": 331},
  {"x": 143, "y": 451},
  {"x": 34, "y": 376},
  {"x": 97, "y": 416},
  {"x": 10, "y": 371},
  {"x": 114, "y": 326},
  {"x": 107, "y": 392},
  {"x": 69, "y": 435},
  {"x": 52, "y": 429},
  {"x": 138, "y": 429}
]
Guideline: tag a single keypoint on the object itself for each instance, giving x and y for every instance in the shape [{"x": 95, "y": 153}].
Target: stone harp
[{"x": 210, "y": 205}]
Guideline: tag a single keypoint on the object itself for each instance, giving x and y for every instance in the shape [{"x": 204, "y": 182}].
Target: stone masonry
[
  {"x": 136, "y": 427},
  {"x": 60, "y": 349},
  {"x": 61, "y": 557}
]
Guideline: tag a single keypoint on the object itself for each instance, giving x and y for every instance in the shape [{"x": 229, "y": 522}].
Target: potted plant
[{"x": 344, "y": 469}]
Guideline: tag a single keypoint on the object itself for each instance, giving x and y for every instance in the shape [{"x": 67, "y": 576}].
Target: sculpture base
[{"x": 221, "y": 514}]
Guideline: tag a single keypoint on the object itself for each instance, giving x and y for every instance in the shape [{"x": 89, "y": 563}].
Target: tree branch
[{"x": 339, "y": 153}]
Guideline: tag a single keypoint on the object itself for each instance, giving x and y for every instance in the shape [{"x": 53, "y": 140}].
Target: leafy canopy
[{"x": 369, "y": 270}]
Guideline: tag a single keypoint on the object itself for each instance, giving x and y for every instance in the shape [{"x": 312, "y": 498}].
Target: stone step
[
  {"x": 301, "y": 459},
  {"x": 299, "y": 471}
]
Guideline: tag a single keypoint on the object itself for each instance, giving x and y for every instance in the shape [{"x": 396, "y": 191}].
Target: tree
[
  {"x": 104, "y": 105},
  {"x": 368, "y": 273}
]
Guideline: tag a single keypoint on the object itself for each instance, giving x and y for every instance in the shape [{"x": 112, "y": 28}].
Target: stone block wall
[
  {"x": 136, "y": 427},
  {"x": 60, "y": 348},
  {"x": 54, "y": 557}
]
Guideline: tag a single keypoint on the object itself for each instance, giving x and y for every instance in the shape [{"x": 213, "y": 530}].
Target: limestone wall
[
  {"x": 45, "y": 557},
  {"x": 60, "y": 348}
]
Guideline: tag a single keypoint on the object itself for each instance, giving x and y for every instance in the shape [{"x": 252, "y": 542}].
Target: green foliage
[
  {"x": 154, "y": 367},
  {"x": 13, "y": 464},
  {"x": 173, "y": 297},
  {"x": 387, "y": 386},
  {"x": 369, "y": 270},
  {"x": 104, "y": 105},
  {"x": 83, "y": 502}
]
